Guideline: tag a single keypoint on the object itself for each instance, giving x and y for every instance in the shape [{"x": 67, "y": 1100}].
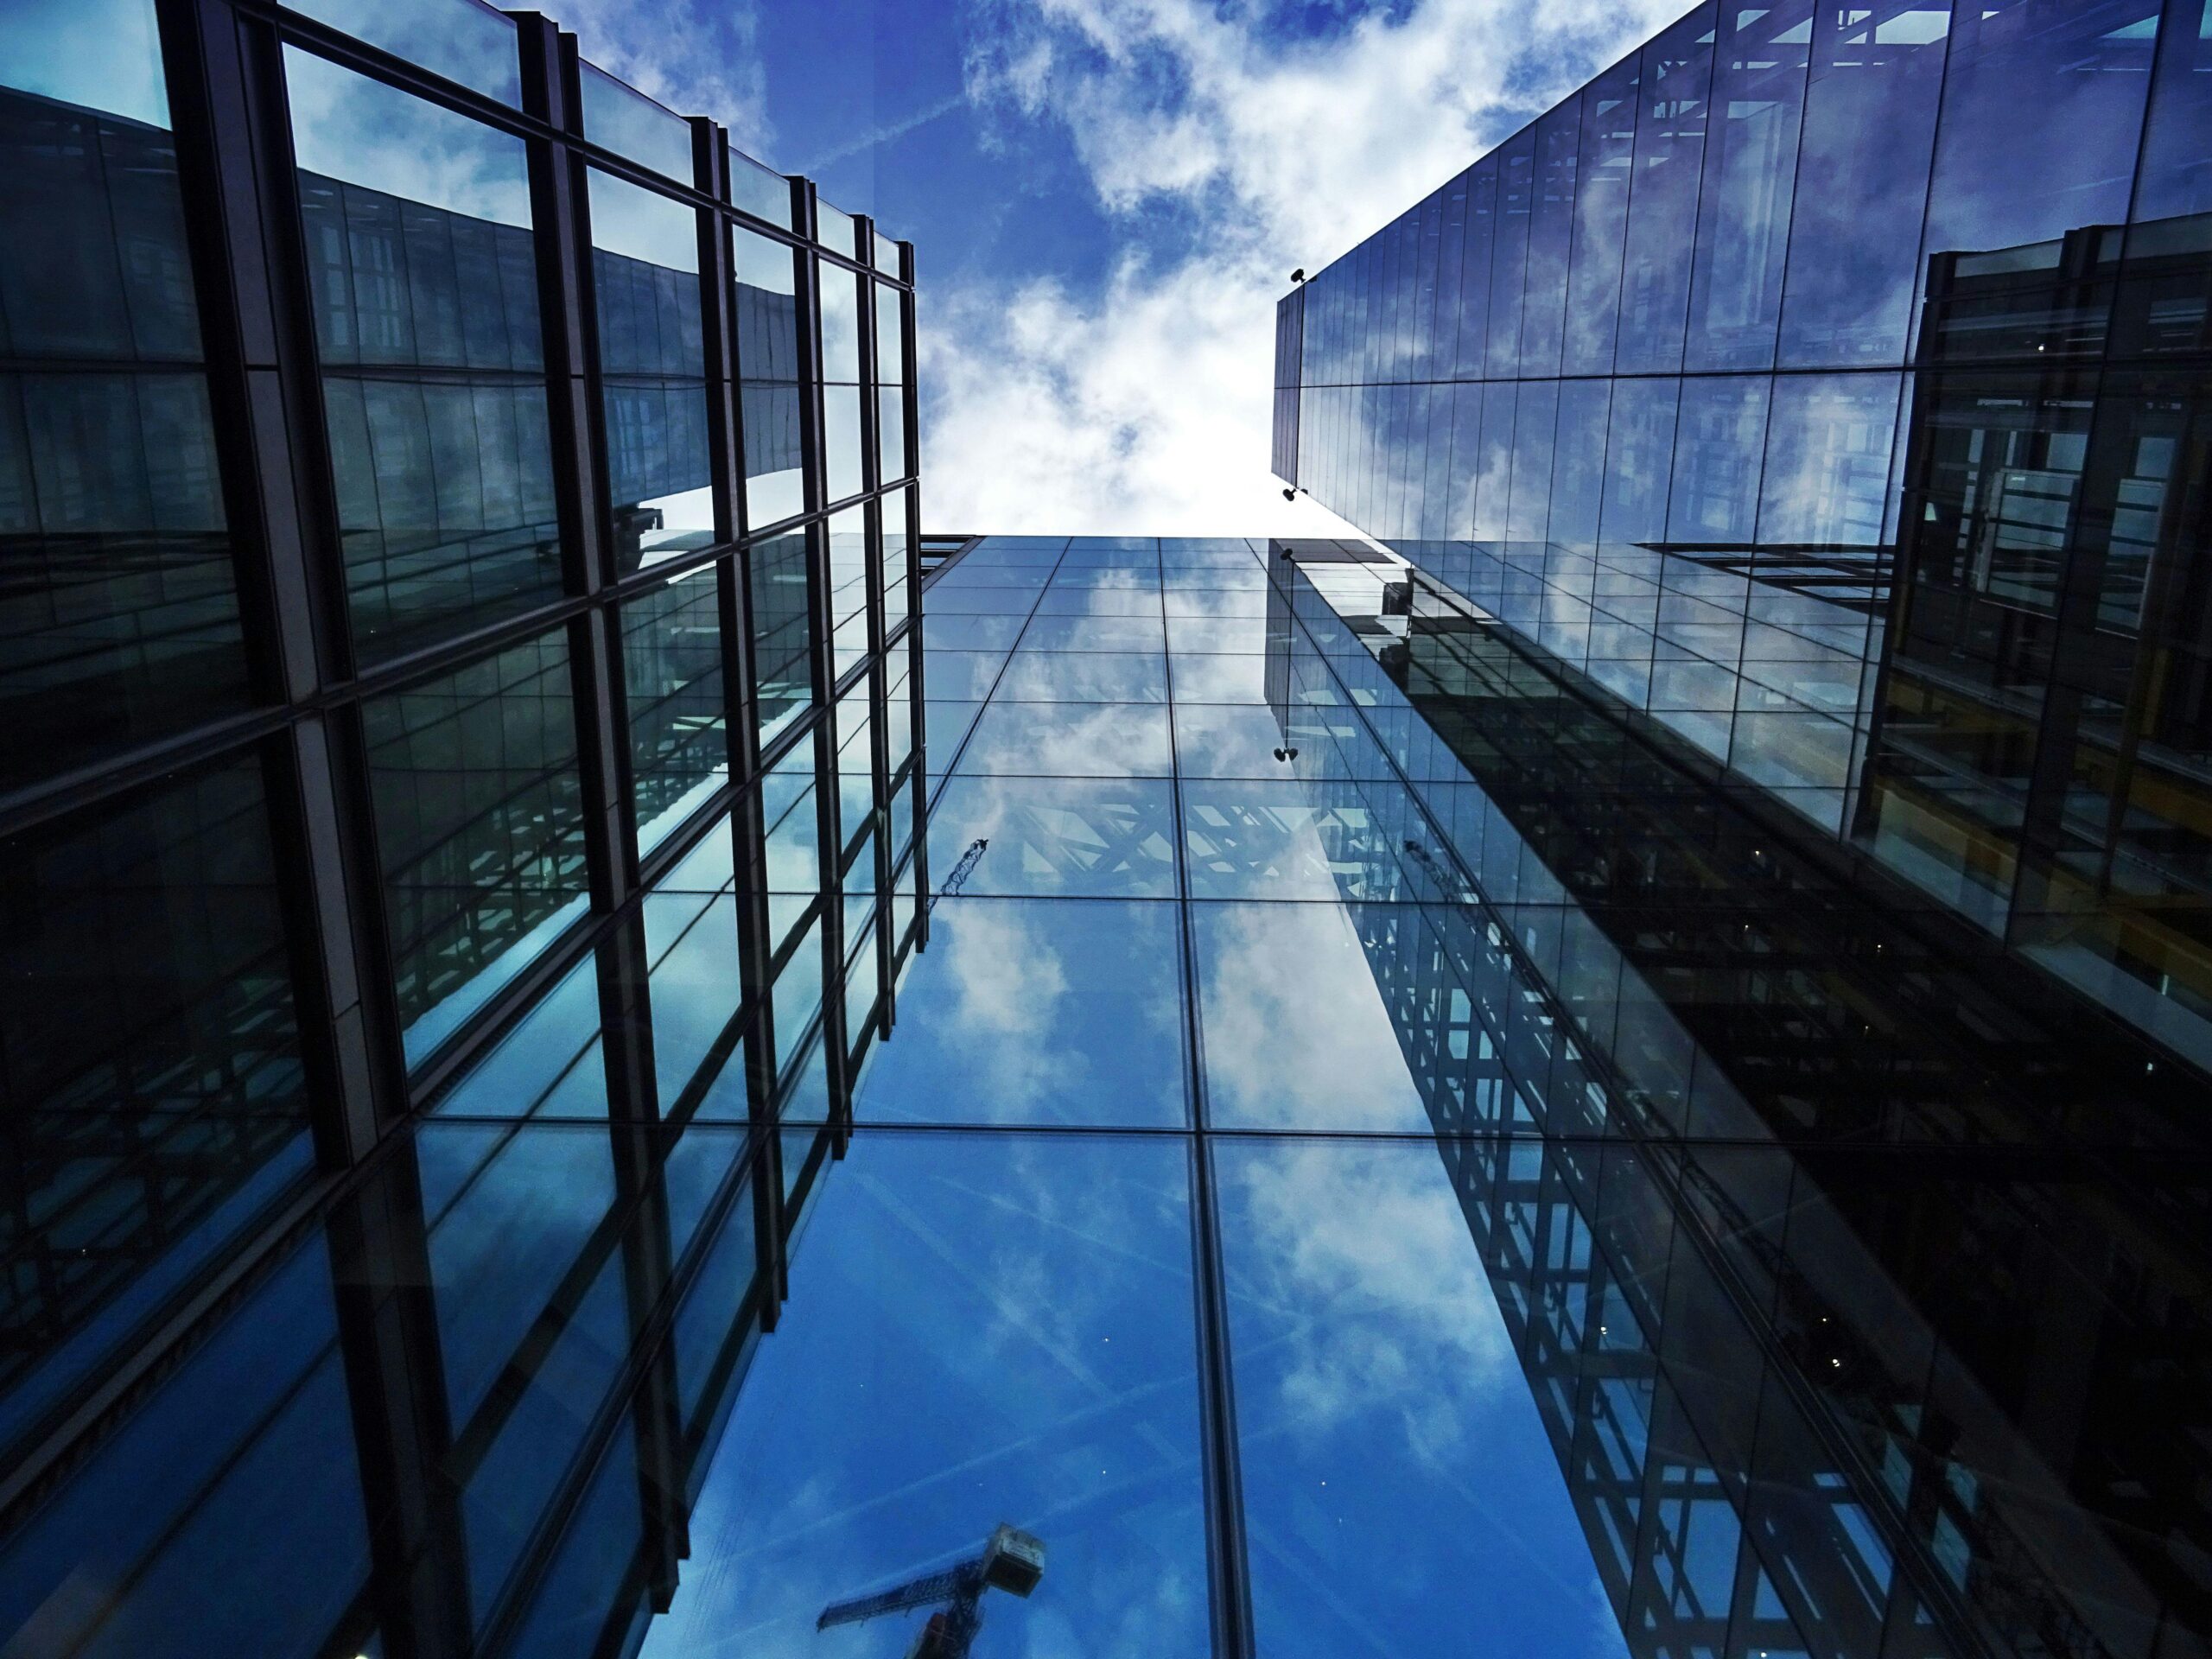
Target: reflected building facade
[
  {"x": 459, "y": 788},
  {"x": 1779, "y": 385},
  {"x": 1855, "y": 1283}
]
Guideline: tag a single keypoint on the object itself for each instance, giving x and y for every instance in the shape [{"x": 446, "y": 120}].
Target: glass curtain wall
[
  {"x": 426, "y": 882},
  {"x": 1785, "y": 333}
]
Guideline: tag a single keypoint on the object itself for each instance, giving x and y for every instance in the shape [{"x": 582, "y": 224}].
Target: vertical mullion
[
  {"x": 232, "y": 127},
  {"x": 1228, "y": 1579}
]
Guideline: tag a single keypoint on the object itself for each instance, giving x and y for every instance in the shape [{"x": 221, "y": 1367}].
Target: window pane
[
  {"x": 653, "y": 372},
  {"x": 782, "y": 658},
  {"x": 855, "y": 764},
  {"x": 848, "y": 589},
  {"x": 462, "y": 39},
  {"x": 890, "y": 336},
  {"x": 1862, "y": 183},
  {"x": 480, "y": 826},
  {"x": 1037, "y": 1011},
  {"x": 673, "y": 667},
  {"x": 834, "y": 229},
  {"x": 841, "y": 427},
  {"x": 768, "y": 378},
  {"x": 794, "y": 841},
  {"x": 419, "y": 256},
  {"x": 119, "y": 620},
  {"x": 1601, "y": 192},
  {"x": 798, "y": 995},
  {"x": 841, "y": 324},
  {"x": 891, "y": 434},
  {"x": 627, "y": 122},
  {"x": 897, "y": 556},
  {"x": 760, "y": 191},
  {"x": 153, "y": 1072},
  {"x": 1674, "y": 81},
  {"x": 1758, "y": 100}
]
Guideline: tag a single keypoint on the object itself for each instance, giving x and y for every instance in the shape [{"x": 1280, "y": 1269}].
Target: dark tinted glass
[
  {"x": 425, "y": 295},
  {"x": 479, "y": 827},
  {"x": 148, "y": 1040},
  {"x": 672, "y": 668},
  {"x": 119, "y": 622},
  {"x": 783, "y": 655}
]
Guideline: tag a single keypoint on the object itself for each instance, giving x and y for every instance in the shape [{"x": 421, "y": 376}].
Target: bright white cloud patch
[{"x": 1148, "y": 409}]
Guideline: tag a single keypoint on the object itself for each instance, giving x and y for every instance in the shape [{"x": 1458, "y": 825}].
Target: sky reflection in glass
[
  {"x": 1399, "y": 1489},
  {"x": 1037, "y": 1012},
  {"x": 983, "y": 1328}
]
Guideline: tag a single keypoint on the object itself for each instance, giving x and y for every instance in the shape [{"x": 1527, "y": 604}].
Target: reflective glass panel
[
  {"x": 425, "y": 291},
  {"x": 1071, "y": 740},
  {"x": 673, "y": 667},
  {"x": 150, "y": 1042},
  {"x": 783, "y": 655},
  {"x": 627, "y": 122},
  {"x": 652, "y": 370},
  {"x": 1296, "y": 1033},
  {"x": 1047, "y": 837},
  {"x": 765, "y": 276},
  {"x": 849, "y": 630},
  {"x": 760, "y": 191},
  {"x": 864, "y": 1450},
  {"x": 1399, "y": 1486},
  {"x": 480, "y": 826},
  {"x": 1026, "y": 1011},
  {"x": 788, "y": 815},
  {"x": 462, "y": 39},
  {"x": 119, "y": 615}
]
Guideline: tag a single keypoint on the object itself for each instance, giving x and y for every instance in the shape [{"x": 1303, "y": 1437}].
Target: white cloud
[
  {"x": 1148, "y": 408},
  {"x": 641, "y": 42}
]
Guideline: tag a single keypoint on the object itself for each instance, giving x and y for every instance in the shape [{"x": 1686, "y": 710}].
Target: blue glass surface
[
  {"x": 1308, "y": 1046},
  {"x": 1862, "y": 184},
  {"x": 1080, "y": 677},
  {"x": 1037, "y": 1011},
  {"x": 1053, "y": 837},
  {"x": 1399, "y": 1487},
  {"x": 1760, "y": 65},
  {"x": 867, "y": 1449},
  {"x": 1673, "y": 82},
  {"x": 1606, "y": 151},
  {"x": 1220, "y": 677},
  {"x": 1070, "y": 740}
]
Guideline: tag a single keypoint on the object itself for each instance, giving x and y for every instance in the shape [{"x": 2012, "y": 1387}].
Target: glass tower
[
  {"x": 459, "y": 781},
  {"x": 1789, "y": 386}
]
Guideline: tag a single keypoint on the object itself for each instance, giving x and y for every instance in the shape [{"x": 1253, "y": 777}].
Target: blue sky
[{"x": 1106, "y": 198}]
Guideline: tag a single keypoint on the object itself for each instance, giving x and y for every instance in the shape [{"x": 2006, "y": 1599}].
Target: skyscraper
[
  {"x": 569, "y": 1092},
  {"x": 1785, "y": 385},
  {"x": 458, "y": 783},
  {"x": 1790, "y": 451}
]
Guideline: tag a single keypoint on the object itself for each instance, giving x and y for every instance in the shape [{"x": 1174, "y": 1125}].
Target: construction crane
[
  {"x": 962, "y": 870},
  {"x": 1012, "y": 1561}
]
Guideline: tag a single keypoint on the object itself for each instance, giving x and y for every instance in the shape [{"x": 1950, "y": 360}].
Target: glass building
[
  {"x": 567, "y": 1093},
  {"x": 1790, "y": 386},
  {"x": 459, "y": 785}
]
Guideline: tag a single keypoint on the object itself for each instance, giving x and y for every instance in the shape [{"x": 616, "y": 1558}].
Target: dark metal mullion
[
  {"x": 747, "y": 821},
  {"x": 560, "y": 220},
  {"x": 820, "y": 651},
  {"x": 234, "y": 136},
  {"x": 1228, "y": 1573}
]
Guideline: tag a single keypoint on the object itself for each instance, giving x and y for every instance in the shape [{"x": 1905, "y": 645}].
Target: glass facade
[
  {"x": 436, "y": 694},
  {"x": 1380, "y": 1144},
  {"x": 1784, "y": 385}
]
